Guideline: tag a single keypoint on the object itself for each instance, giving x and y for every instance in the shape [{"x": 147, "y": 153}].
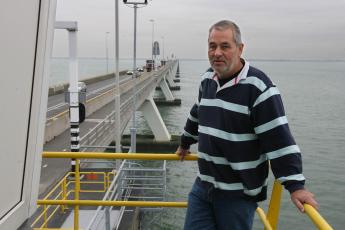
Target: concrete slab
[{"x": 85, "y": 217}]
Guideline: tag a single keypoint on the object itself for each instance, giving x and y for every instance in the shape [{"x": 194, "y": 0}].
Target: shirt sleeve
[{"x": 276, "y": 141}]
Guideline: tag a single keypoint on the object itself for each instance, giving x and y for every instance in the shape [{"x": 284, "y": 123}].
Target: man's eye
[
  {"x": 212, "y": 47},
  {"x": 225, "y": 47}
]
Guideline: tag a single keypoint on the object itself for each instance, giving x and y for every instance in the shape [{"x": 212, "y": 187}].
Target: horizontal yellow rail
[
  {"x": 317, "y": 219},
  {"x": 53, "y": 228},
  {"x": 312, "y": 213},
  {"x": 128, "y": 156},
  {"x": 113, "y": 203}
]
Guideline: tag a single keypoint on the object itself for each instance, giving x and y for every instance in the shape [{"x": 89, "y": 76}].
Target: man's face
[{"x": 223, "y": 53}]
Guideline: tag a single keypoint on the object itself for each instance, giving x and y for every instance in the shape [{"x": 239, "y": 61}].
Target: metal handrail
[
  {"x": 55, "y": 193},
  {"x": 127, "y": 156},
  {"x": 106, "y": 123},
  {"x": 317, "y": 219},
  {"x": 109, "y": 193},
  {"x": 171, "y": 204},
  {"x": 311, "y": 212}
]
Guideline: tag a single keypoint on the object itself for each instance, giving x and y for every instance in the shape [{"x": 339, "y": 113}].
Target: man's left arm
[{"x": 276, "y": 141}]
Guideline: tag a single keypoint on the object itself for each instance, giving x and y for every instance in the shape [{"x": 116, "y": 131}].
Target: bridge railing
[
  {"x": 93, "y": 182},
  {"x": 266, "y": 219},
  {"x": 105, "y": 129},
  {"x": 130, "y": 177}
]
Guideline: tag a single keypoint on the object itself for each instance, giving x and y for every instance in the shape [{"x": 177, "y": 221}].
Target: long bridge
[
  {"x": 101, "y": 93},
  {"x": 98, "y": 129}
]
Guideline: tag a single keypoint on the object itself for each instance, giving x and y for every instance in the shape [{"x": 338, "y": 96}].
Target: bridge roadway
[
  {"x": 57, "y": 104},
  {"x": 98, "y": 129}
]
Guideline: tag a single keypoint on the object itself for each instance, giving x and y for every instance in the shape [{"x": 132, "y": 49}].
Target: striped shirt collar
[
  {"x": 241, "y": 76},
  {"x": 210, "y": 74}
]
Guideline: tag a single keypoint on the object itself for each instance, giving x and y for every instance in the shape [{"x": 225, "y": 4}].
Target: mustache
[{"x": 217, "y": 59}]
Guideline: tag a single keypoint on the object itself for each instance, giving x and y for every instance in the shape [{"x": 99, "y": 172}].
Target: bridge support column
[
  {"x": 166, "y": 91},
  {"x": 170, "y": 77},
  {"x": 154, "y": 119}
]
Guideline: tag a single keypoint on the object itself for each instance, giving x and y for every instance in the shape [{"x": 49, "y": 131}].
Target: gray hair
[{"x": 226, "y": 24}]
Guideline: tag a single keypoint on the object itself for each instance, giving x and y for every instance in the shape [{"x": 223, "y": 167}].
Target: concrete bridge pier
[
  {"x": 178, "y": 70},
  {"x": 166, "y": 85},
  {"x": 154, "y": 119},
  {"x": 170, "y": 77},
  {"x": 166, "y": 90}
]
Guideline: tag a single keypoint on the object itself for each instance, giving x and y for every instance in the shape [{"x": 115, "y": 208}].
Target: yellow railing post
[
  {"x": 76, "y": 195},
  {"x": 274, "y": 206},
  {"x": 45, "y": 216},
  {"x": 62, "y": 196},
  {"x": 105, "y": 181},
  {"x": 64, "y": 192}
]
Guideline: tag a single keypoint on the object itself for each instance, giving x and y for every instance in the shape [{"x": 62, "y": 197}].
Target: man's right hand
[{"x": 181, "y": 152}]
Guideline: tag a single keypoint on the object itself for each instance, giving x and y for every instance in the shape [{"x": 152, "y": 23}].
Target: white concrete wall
[{"x": 25, "y": 45}]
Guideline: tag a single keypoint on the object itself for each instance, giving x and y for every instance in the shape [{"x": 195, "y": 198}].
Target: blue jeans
[{"x": 210, "y": 208}]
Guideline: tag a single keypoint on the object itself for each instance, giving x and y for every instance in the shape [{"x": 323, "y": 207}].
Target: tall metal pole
[
  {"x": 133, "y": 129},
  {"x": 153, "y": 21},
  {"x": 106, "y": 50},
  {"x": 163, "y": 48},
  {"x": 117, "y": 79},
  {"x": 74, "y": 114},
  {"x": 74, "y": 96}
]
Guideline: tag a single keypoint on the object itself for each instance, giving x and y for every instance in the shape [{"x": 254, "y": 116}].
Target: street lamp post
[
  {"x": 117, "y": 83},
  {"x": 133, "y": 129},
  {"x": 153, "y": 29},
  {"x": 163, "y": 48},
  {"x": 106, "y": 50}
]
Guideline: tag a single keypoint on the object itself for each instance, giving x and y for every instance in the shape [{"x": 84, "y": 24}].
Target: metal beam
[
  {"x": 100, "y": 155},
  {"x": 113, "y": 203},
  {"x": 66, "y": 25}
]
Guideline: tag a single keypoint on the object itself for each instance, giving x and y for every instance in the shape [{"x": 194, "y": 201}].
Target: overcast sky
[{"x": 271, "y": 29}]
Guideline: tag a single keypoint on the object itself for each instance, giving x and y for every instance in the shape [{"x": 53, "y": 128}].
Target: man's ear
[{"x": 240, "y": 47}]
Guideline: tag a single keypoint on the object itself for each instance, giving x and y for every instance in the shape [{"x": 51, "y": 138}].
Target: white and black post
[
  {"x": 72, "y": 28},
  {"x": 74, "y": 93}
]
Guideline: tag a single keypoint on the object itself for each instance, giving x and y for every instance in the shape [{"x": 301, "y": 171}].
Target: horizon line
[{"x": 205, "y": 59}]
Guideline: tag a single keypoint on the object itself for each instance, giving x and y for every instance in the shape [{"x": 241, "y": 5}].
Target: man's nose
[{"x": 218, "y": 51}]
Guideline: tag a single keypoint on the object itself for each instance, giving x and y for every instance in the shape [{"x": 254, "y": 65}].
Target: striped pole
[
  {"x": 74, "y": 95},
  {"x": 74, "y": 141}
]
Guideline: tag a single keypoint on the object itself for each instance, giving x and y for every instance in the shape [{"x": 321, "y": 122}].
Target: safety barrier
[
  {"x": 64, "y": 189},
  {"x": 269, "y": 221}
]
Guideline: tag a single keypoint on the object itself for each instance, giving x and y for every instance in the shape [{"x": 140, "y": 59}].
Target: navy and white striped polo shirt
[{"x": 240, "y": 127}]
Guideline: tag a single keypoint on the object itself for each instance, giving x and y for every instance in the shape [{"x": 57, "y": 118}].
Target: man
[{"x": 240, "y": 124}]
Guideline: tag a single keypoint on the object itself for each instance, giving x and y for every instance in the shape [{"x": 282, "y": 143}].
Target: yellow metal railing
[
  {"x": 269, "y": 221},
  {"x": 63, "y": 189},
  {"x": 317, "y": 219}
]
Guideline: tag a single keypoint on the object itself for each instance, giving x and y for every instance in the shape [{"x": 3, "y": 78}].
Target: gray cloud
[{"x": 271, "y": 29}]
